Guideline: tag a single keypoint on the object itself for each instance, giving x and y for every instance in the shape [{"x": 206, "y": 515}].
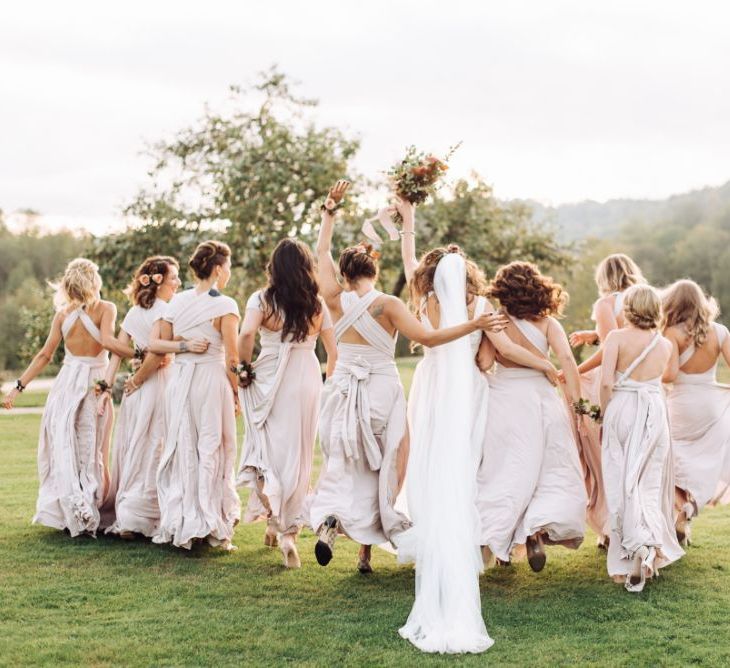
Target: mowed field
[{"x": 106, "y": 602}]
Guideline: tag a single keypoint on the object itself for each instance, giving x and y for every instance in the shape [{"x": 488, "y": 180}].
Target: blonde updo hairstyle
[
  {"x": 79, "y": 286},
  {"x": 616, "y": 273},
  {"x": 685, "y": 305},
  {"x": 643, "y": 307}
]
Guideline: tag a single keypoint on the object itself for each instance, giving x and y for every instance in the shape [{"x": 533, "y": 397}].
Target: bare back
[
  {"x": 376, "y": 310},
  {"x": 78, "y": 340},
  {"x": 516, "y": 336},
  {"x": 631, "y": 343},
  {"x": 704, "y": 357}
]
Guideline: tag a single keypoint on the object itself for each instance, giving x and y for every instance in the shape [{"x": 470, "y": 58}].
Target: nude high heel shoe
[{"x": 289, "y": 550}]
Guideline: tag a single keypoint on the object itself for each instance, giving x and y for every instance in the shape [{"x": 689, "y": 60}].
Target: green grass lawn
[{"x": 106, "y": 602}]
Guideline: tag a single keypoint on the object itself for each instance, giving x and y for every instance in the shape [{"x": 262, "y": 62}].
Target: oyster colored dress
[
  {"x": 362, "y": 422},
  {"x": 699, "y": 417},
  {"x": 73, "y": 448},
  {"x": 281, "y": 412},
  {"x": 638, "y": 473},
  {"x": 196, "y": 479},
  {"x": 589, "y": 441},
  {"x": 138, "y": 437},
  {"x": 447, "y": 418},
  {"x": 530, "y": 477}
]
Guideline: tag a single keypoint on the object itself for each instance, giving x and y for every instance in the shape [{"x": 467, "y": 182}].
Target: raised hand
[
  {"x": 336, "y": 193},
  {"x": 583, "y": 337},
  {"x": 405, "y": 208}
]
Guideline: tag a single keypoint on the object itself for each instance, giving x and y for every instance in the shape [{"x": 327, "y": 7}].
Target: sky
[{"x": 555, "y": 100}]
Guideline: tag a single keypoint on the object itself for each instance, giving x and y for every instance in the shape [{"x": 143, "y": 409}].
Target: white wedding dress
[{"x": 448, "y": 402}]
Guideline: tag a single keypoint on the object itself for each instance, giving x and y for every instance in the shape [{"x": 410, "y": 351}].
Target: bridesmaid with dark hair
[
  {"x": 195, "y": 481},
  {"x": 280, "y": 398}
]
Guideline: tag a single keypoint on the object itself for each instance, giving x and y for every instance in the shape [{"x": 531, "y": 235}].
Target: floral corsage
[
  {"x": 585, "y": 407},
  {"x": 245, "y": 373}
]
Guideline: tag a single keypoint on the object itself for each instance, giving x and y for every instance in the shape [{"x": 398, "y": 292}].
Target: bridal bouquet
[
  {"x": 585, "y": 407},
  {"x": 418, "y": 175}
]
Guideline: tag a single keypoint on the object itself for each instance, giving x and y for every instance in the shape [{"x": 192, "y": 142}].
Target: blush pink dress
[
  {"x": 362, "y": 423},
  {"x": 138, "y": 438},
  {"x": 530, "y": 478},
  {"x": 196, "y": 479},
  {"x": 699, "y": 416},
  {"x": 73, "y": 448},
  {"x": 281, "y": 413}
]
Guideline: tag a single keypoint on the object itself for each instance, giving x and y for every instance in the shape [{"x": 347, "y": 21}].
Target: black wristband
[
  {"x": 333, "y": 210},
  {"x": 19, "y": 386}
]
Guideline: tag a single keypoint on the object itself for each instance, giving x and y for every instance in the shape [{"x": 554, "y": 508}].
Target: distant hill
[{"x": 606, "y": 220}]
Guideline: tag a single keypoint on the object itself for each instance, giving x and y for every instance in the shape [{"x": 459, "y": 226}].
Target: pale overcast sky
[{"x": 558, "y": 100}]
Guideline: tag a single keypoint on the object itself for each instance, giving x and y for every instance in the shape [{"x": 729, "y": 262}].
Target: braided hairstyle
[{"x": 643, "y": 307}]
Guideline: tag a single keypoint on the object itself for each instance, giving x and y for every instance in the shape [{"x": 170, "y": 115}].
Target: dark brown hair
[
  {"x": 292, "y": 292},
  {"x": 207, "y": 256},
  {"x": 525, "y": 293},
  {"x": 422, "y": 281},
  {"x": 145, "y": 295},
  {"x": 359, "y": 261}
]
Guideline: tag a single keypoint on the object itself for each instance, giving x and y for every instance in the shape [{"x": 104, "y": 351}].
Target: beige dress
[
  {"x": 281, "y": 412},
  {"x": 530, "y": 478},
  {"x": 589, "y": 442},
  {"x": 138, "y": 437},
  {"x": 699, "y": 416},
  {"x": 196, "y": 479},
  {"x": 362, "y": 422},
  {"x": 637, "y": 470},
  {"x": 73, "y": 448}
]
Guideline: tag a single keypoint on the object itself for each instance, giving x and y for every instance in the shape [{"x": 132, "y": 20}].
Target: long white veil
[{"x": 441, "y": 490}]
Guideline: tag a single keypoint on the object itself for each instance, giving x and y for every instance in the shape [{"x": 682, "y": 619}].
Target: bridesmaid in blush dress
[
  {"x": 281, "y": 404},
  {"x": 195, "y": 482},
  {"x": 73, "y": 447},
  {"x": 699, "y": 407},
  {"x": 530, "y": 482},
  {"x": 614, "y": 275},
  {"x": 637, "y": 450}
]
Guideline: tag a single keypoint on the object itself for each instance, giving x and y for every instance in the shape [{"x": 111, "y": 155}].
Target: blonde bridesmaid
[
  {"x": 281, "y": 402},
  {"x": 614, "y": 275},
  {"x": 530, "y": 482},
  {"x": 637, "y": 451},
  {"x": 363, "y": 418},
  {"x": 195, "y": 482},
  {"x": 140, "y": 428},
  {"x": 699, "y": 407},
  {"x": 73, "y": 447}
]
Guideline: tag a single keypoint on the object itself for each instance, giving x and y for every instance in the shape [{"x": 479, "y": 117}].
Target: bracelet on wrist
[
  {"x": 19, "y": 385},
  {"x": 333, "y": 210}
]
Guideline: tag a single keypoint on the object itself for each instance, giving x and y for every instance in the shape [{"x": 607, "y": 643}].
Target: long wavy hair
[
  {"x": 616, "y": 273},
  {"x": 148, "y": 277},
  {"x": 525, "y": 293},
  {"x": 292, "y": 291},
  {"x": 684, "y": 303},
  {"x": 422, "y": 280}
]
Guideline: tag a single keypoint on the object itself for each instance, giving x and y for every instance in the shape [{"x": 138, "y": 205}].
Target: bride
[{"x": 446, "y": 432}]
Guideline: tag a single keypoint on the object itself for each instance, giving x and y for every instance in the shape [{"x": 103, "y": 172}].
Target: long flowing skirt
[
  {"x": 362, "y": 499},
  {"x": 73, "y": 450},
  {"x": 196, "y": 478},
  {"x": 530, "y": 478},
  {"x": 639, "y": 480},
  {"x": 699, "y": 416},
  {"x": 280, "y": 451},
  {"x": 138, "y": 441},
  {"x": 589, "y": 444}
]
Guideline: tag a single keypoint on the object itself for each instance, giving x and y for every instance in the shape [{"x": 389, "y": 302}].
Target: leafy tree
[{"x": 249, "y": 177}]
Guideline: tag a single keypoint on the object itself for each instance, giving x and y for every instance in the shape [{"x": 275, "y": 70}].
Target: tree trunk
[{"x": 399, "y": 284}]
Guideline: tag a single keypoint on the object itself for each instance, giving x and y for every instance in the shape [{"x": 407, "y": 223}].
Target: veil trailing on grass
[{"x": 441, "y": 490}]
